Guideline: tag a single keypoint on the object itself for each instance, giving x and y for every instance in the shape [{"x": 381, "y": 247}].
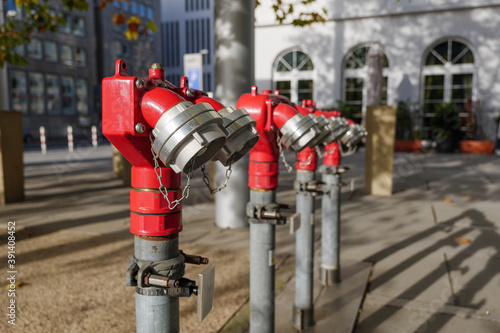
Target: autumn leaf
[
  {"x": 448, "y": 200},
  {"x": 151, "y": 26},
  {"x": 102, "y": 4},
  {"x": 19, "y": 3},
  {"x": 133, "y": 27},
  {"x": 118, "y": 19},
  {"x": 145, "y": 32},
  {"x": 462, "y": 240}
]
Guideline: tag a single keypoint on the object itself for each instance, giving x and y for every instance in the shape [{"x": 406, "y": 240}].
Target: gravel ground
[{"x": 74, "y": 282}]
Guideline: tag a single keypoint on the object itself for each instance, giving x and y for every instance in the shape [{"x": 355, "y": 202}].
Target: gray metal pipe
[
  {"x": 304, "y": 257},
  {"x": 262, "y": 266},
  {"x": 330, "y": 230},
  {"x": 234, "y": 76},
  {"x": 155, "y": 314}
]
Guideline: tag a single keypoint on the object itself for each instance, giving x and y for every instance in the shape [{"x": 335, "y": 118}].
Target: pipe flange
[
  {"x": 300, "y": 132},
  {"x": 187, "y": 136},
  {"x": 354, "y": 135},
  {"x": 339, "y": 128},
  {"x": 326, "y": 130},
  {"x": 242, "y": 135}
]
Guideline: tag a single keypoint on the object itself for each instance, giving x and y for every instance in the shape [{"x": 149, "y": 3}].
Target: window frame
[
  {"x": 294, "y": 74},
  {"x": 361, "y": 73}
]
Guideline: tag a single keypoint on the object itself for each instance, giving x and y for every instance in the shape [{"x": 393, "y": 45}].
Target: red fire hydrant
[
  {"x": 164, "y": 130},
  {"x": 278, "y": 122}
]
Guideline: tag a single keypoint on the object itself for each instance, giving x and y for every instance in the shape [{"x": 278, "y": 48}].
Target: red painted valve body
[
  {"x": 125, "y": 105},
  {"x": 271, "y": 112}
]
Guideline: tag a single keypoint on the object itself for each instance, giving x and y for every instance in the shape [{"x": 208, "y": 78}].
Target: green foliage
[
  {"x": 446, "y": 121},
  {"x": 285, "y": 11},
  {"x": 347, "y": 111}
]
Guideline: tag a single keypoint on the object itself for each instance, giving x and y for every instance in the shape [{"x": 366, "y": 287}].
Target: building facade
[
  {"x": 187, "y": 27},
  {"x": 55, "y": 88},
  {"x": 60, "y": 85},
  {"x": 434, "y": 51}
]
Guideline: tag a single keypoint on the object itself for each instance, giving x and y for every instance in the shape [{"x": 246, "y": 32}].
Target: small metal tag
[
  {"x": 206, "y": 280},
  {"x": 294, "y": 223}
]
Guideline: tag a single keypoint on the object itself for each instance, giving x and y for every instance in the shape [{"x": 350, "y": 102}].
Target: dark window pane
[
  {"x": 308, "y": 66},
  {"x": 305, "y": 84},
  {"x": 467, "y": 58},
  {"x": 432, "y": 60},
  {"x": 442, "y": 50},
  {"x": 283, "y": 85},
  {"x": 299, "y": 58},
  {"x": 288, "y": 58},
  {"x": 434, "y": 80},
  {"x": 385, "y": 61},
  {"x": 281, "y": 67},
  {"x": 354, "y": 96},
  {"x": 354, "y": 83},
  {"x": 462, "y": 79},
  {"x": 434, "y": 94}
]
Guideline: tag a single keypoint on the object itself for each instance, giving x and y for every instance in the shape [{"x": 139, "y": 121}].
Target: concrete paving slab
[
  {"x": 411, "y": 274},
  {"x": 391, "y": 319},
  {"x": 334, "y": 306}
]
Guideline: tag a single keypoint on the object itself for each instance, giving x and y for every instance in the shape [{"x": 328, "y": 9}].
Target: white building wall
[{"x": 405, "y": 31}]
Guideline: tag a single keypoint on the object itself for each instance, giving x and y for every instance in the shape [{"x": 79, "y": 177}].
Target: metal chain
[
  {"x": 348, "y": 152},
  {"x": 282, "y": 154},
  {"x": 330, "y": 151},
  {"x": 308, "y": 162},
  {"x": 162, "y": 188},
  {"x": 219, "y": 188}
]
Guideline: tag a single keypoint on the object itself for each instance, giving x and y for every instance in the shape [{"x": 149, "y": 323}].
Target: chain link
[
  {"x": 282, "y": 154},
  {"x": 162, "y": 188},
  {"x": 308, "y": 162},
  {"x": 206, "y": 180},
  {"x": 330, "y": 151}
]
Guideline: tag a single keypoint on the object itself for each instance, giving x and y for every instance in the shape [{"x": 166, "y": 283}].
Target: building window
[
  {"x": 149, "y": 13},
  {"x": 53, "y": 93},
  {"x": 125, "y": 6},
  {"x": 355, "y": 73},
  {"x": 125, "y": 50},
  {"x": 133, "y": 7},
  {"x": 82, "y": 97},
  {"x": 79, "y": 25},
  {"x": 80, "y": 57},
  {"x": 37, "y": 104},
  {"x": 19, "y": 90},
  {"x": 35, "y": 49},
  {"x": 66, "y": 53},
  {"x": 447, "y": 76},
  {"x": 66, "y": 28},
  {"x": 50, "y": 50},
  {"x": 68, "y": 95},
  {"x": 293, "y": 75},
  {"x": 142, "y": 10}
]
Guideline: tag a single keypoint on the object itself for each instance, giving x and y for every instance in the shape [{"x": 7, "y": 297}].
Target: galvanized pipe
[
  {"x": 304, "y": 257},
  {"x": 330, "y": 230},
  {"x": 155, "y": 314},
  {"x": 262, "y": 257}
]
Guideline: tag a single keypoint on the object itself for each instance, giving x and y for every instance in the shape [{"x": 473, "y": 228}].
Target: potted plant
[
  {"x": 445, "y": 125},
  {"x": 407, "y": 130},
  {"x": 475, "y": 141}
]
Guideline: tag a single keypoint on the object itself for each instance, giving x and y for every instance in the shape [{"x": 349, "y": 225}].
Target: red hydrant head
[{"x": 185, "y": 135}]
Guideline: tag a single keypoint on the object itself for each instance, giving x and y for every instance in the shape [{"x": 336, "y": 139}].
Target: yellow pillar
[
  {"x": 379, "y": 153},
  {"x": 11, "y": 157}
]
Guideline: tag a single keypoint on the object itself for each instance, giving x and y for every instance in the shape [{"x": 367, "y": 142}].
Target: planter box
[
  {"x": 407, "y": 145},
  {"x": 477, "y": 147}
]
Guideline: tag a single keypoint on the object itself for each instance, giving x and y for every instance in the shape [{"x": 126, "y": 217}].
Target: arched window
[
  {"x": 447, "y": 75},
  {"x": 355, "y": 73},
  {"x": 293, "y": 75}
]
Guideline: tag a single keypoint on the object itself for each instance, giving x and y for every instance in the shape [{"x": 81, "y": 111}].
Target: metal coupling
[
  {"x": 269, "y": 213},
  {"x": 300, "y": 132},
  {"x": 354, "y": 135},
  {"x": 312, "y": 187},
  {"x": 187, "y": 136},
  {"x": 242, "y": 135},
  {"x": 194, "y": 259}
]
